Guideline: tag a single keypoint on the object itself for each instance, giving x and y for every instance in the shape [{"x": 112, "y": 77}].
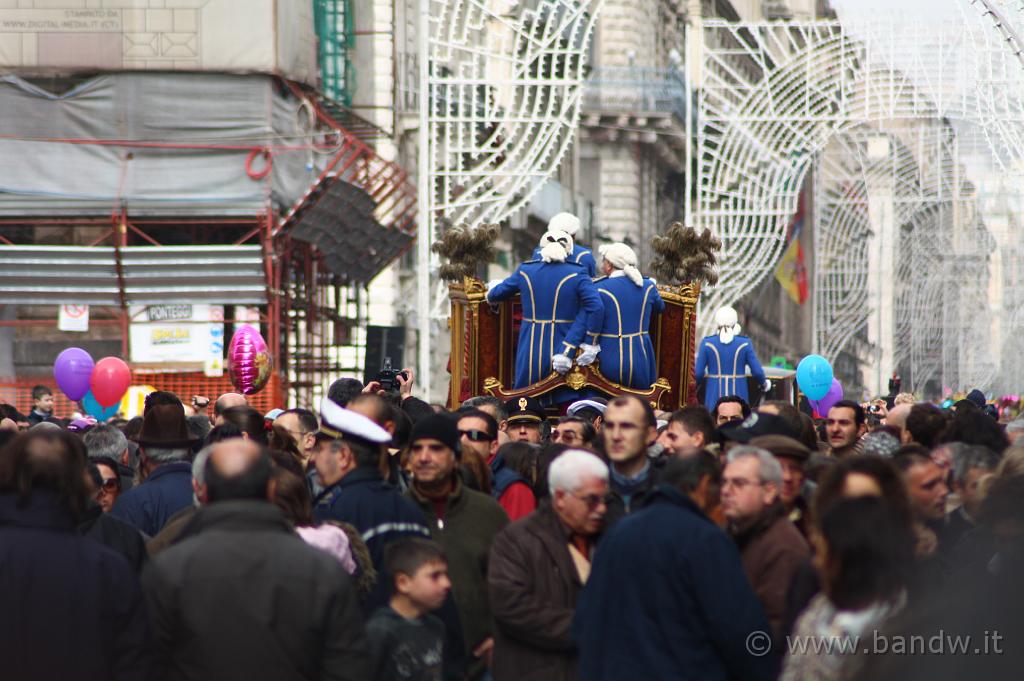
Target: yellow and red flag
[{"x": 791, "y": 272}]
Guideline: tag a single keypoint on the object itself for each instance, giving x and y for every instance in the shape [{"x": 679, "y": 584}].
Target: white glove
[
  {"x": 561, "y": 363},
  {"x": 767, "y": 385},
  {"x": 588, "y": 353}
]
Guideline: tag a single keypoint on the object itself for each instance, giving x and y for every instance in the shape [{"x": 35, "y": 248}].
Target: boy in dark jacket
[{"x": 406, "y": 641}]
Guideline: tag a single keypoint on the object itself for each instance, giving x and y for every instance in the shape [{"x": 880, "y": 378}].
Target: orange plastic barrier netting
[{"x": 184, "y": 385}]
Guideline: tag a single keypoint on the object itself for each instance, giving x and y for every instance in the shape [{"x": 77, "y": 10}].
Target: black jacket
[
  {"x": 379, "y": 512},
  {"x": 619, "y": 504},
  {"x": 114, "y": 534},
  {"x": 241, "y": 596},
  {"x": 72, "y": 609}
]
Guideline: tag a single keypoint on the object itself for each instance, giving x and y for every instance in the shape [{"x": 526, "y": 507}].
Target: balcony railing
[{"x": 635, "y": 91}]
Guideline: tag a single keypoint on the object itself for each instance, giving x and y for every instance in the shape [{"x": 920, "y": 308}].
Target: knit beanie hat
[{"x": 440, "y": 427}]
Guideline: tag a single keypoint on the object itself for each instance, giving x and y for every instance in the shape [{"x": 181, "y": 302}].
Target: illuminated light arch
[
  {"x": 773, "y": 96},
  {"x": 505, "y": 81}
]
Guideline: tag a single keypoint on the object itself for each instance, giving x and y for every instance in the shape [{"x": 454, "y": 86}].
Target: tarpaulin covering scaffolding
[{"x": 158, "y": 143}]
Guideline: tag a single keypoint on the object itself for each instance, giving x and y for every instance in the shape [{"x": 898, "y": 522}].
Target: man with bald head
[
  {"x": 241, "y": 596},
  {"x": 226, "y": 401},
  {"x": 897, "y": 418}
]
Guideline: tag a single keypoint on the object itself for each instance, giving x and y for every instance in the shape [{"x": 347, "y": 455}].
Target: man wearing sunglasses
[{"x": 479, "y": 437}]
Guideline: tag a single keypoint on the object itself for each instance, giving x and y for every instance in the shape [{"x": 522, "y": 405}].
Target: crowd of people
[{"x": 387, "y": 538}]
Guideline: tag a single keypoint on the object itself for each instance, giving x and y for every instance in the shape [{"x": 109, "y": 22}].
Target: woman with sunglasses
[{"x": 106, "y": 481}]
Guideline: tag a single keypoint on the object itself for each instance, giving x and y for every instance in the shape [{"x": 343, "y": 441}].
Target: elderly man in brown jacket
[
  {"x": 538, "y": 567},
  {"x": 771, "y": 547}
]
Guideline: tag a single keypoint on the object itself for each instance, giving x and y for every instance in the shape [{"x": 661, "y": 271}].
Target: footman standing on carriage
[
  {"x": 561, "y": 307},
  {"x": 581, "y": 255},
  {"x": 722, "y": 361},
  {"x": 630, "y": 301}
]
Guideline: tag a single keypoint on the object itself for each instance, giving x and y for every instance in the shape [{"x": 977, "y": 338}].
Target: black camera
[
  {"x": 388, "y": 377},
  {"x": 874, "y": 409}
]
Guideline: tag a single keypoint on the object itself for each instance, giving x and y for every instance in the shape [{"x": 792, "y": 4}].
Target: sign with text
[
  {"x": 177, "y": 333},
  {"x": 60, "y": 21}
]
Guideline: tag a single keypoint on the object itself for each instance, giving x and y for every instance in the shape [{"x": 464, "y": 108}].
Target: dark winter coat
[
  {"x": 149, "y": 506},
  {"x": 667, "y": 599},
  {"x": 379, "y": 512},
  {"x": 772, "y": 550},
  {"x": 114, "y": 534},
  {"x": 533, "y": 587},
  {"x": 620, "y": 504},
  {"x": 469, "y": 524},
  {"x": 240, "y": 596},
  {"x": 72, "y": 608}
]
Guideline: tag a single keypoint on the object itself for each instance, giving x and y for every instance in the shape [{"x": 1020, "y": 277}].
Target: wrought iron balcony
[{"x": 635, "y": 92}]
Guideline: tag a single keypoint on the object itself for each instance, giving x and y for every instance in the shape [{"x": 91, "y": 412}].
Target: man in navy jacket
[{"x": 667, "y": 597}]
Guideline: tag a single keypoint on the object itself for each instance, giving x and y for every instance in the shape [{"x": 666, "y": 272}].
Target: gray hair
[
  {"x": 199, "y": 464},
  {"x": 199, "y": 471},
  {"x": 769, "y": 470},
  {"x": 570, "y": 468},
  {"x": 105, "y": 441},
  {"x": 489, "y": 401},
  {"x": 970, "y": 457},
  {"x": 166, "y": 454}
]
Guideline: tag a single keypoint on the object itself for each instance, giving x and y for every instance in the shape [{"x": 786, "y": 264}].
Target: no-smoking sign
[{"x": 73, "y": 318}]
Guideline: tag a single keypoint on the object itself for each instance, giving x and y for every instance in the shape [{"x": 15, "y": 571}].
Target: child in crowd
[{"x": 406, "y": 641}]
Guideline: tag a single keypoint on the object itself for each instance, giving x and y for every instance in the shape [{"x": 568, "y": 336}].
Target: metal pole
[
  {"x": 424, "y": 196},
  {"x": 688, "y": 86}
]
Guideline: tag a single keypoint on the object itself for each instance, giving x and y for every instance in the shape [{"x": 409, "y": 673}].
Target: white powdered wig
[
  {"x": 571, "y": 468},
  {"x": 622, "y": 257},
  {"x": 555, "y": 246},
  {"x": 565, "y": 222},
  {"x": 727, "y": 322}
]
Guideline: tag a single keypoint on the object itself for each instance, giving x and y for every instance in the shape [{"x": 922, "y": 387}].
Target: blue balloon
[
  {"x": 94, "y": 409},
  {"x": 814, "y": 376}
]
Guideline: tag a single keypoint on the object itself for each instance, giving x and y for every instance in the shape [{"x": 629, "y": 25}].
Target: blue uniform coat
[
  {"x": 580, "y": 255},
  {"x": 560, "y": 306},
  {"x": 724, "y": 365},
  {"x": 627, "y": 354}
]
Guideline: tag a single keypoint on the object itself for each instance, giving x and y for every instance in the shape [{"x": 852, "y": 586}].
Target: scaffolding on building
[{"x": 298, "y": 269}]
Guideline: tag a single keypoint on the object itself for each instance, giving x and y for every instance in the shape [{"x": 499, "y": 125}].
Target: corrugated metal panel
[{"x": 51, "y": 275}]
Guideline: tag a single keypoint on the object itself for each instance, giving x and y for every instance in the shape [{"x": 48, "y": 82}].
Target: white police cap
[{"x": 339, "y": 422}]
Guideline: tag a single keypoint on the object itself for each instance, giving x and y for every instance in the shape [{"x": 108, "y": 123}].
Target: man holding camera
[{"x": 391, "y": 382}]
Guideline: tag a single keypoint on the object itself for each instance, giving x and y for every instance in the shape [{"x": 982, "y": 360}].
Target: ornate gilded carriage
[{"x": 484, "y": 341}]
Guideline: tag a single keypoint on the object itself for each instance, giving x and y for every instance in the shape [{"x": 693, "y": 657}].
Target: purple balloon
[
  {"x": 834, "y": 394},
  {"x": 72, "y": 370}
]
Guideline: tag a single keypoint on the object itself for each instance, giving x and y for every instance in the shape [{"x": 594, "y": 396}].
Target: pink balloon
[{"x": 249, "y": 361}]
